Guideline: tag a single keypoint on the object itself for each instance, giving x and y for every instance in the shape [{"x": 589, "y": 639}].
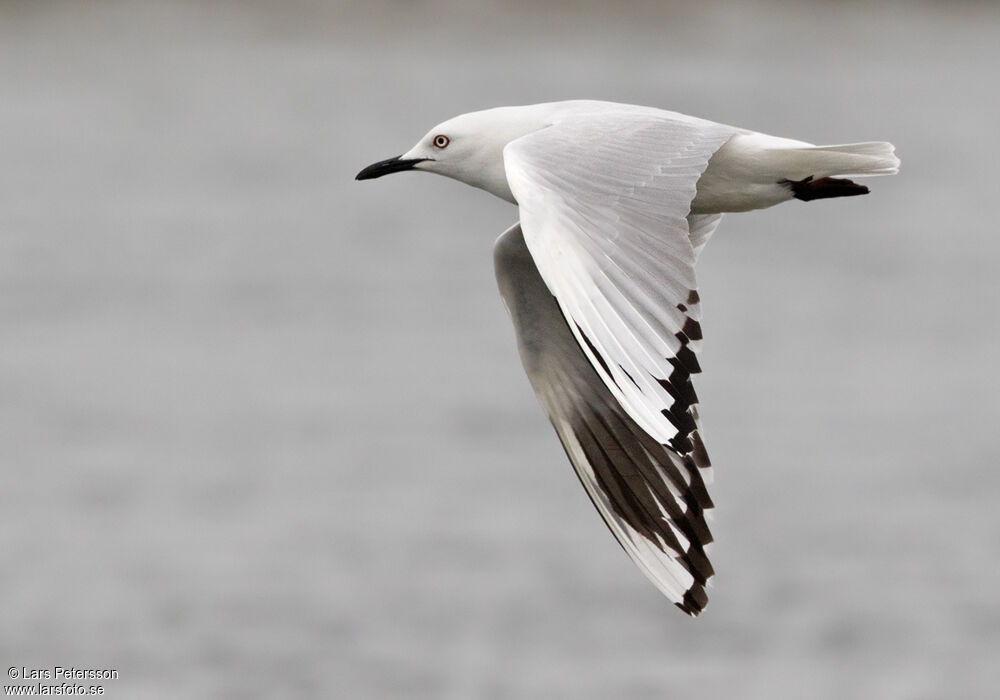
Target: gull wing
[
  {"x": 653, "y": 498},
  {"x": 604, "y": 200},
  {"x": 701, "y": 227}
]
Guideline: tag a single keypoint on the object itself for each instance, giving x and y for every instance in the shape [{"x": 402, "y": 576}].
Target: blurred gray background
[{"x": 264, "y": 432}]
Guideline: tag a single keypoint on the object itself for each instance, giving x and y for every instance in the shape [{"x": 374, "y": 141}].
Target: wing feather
[
  {"x": 610, "y": 233},
  {"x": 652, "y": 497},
  {"x": 612, "y": 253}
]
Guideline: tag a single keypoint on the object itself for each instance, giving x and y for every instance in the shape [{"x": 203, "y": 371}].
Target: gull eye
[{"x": 441, "y": 141}]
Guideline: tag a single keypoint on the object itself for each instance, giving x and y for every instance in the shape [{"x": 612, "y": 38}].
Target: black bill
[{"x": 387, "y": 166}]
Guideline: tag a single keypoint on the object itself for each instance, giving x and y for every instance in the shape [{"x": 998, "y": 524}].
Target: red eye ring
[{"x": 441, "y": 141}]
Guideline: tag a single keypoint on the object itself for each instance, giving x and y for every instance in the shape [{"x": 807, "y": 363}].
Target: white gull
[{"x": 615, "y": 203}]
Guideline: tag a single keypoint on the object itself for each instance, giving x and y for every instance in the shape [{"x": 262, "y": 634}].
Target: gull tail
[
  {"x": 848, "y": 160},
  {"x": 755, "y": 171},
  {"x": 852, "y": 159},
  {"x": 817, "y": 166}
]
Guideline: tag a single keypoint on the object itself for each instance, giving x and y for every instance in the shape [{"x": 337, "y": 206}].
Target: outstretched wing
[
  {"x": 604, "y": 200},
  {"x": 652, "y": 498}
]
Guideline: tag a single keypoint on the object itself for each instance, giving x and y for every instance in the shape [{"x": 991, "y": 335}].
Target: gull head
[{"x": 468, "y": 148}]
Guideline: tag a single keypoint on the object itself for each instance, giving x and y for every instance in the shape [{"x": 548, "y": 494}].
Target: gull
[{"x": 615, "y": 203}]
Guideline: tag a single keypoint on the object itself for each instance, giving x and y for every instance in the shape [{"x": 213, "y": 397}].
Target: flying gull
[{"x": 615, "y": 203}]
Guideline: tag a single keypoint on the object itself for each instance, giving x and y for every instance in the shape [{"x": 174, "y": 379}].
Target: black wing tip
[
  {"x": 692, "y": 329},
  {"x": 694, "y": 601}
]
